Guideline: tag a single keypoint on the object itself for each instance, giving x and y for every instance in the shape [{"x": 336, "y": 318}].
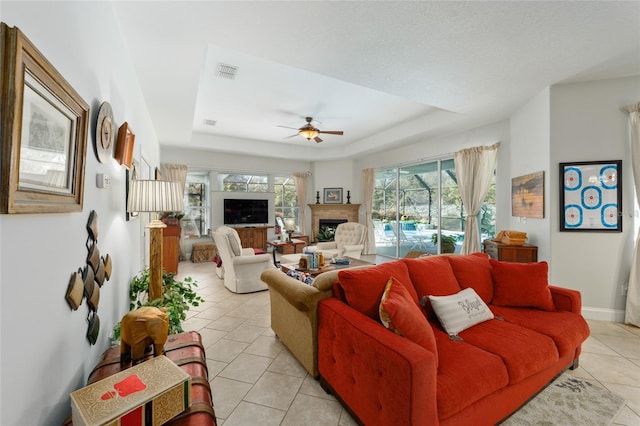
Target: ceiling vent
[
  {"x": 209, "y": 122},
  {"x": 227, "y": 71}
]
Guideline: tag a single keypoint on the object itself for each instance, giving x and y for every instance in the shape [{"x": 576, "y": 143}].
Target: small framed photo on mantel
[{"x": 333, "y": 195}]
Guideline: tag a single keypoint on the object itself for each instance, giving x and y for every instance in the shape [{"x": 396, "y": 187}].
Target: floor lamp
[{"x": 155, "y": 196}]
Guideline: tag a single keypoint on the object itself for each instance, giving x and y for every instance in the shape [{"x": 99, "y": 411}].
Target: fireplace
[
  {"x": 330, "y": 223},
  {"x": 332, "y": 212}
]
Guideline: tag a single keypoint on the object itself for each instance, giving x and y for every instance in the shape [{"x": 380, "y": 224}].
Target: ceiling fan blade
[
  {"x": 317, "y": 139},
  {"x": 287, "y": 127},
  {"x": 332, "y": 132},
  {"x": 291, "y": 136}
]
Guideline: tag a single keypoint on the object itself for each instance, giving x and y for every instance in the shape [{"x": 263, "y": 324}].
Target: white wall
[
  {"x": 587, "y": 125},
  {"x": 529, "y": 154},
  {"x": 44, "y": 352}
]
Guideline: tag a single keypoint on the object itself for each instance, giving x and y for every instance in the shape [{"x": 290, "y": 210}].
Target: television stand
[{"x": 253, "y": 236}]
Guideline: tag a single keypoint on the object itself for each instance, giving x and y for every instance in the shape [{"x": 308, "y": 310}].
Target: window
[
  {"x": 196, "y": 205},
  {"x": 243, "y": 183},
  {"x": 286, "y": 202},
  {"x": 418, "y": 207}
]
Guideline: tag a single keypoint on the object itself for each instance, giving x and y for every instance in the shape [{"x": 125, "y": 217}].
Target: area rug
[{"x": 569, "y": 401}]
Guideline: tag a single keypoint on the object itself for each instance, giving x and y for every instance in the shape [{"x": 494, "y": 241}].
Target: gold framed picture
[{"x": 44, "y": 128}]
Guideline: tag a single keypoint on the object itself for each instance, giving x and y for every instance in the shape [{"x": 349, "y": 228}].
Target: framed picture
[
  {"x": 591, "y": 196},
  {"x": 333, "y": 195},
  {"x": 44, "y": 131},
  {"x": 125, "y": 145},
  {"x": 527, "y": 195}
]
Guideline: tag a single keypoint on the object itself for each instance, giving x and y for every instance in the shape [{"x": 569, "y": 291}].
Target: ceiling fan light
[{"x": 309, "y": 133}]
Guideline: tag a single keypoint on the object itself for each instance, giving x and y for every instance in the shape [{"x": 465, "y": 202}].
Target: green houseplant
[
  {"x": 177, "y": 297},
  {"x": 448, "y": 242},
  {"x": 325, "y": 234}
]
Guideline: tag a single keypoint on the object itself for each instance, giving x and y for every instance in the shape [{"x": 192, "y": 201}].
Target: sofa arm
[
  {"x": 352, "y": 250},
  {"x": 258, "y": 258},
  {"x": 326, "y": 245},
  {"x": 566, "y": 299},
  {"x": 302, "y": 296},
  {"x": 382, "y": 377}
]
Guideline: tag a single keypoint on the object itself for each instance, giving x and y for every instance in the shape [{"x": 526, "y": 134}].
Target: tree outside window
[{"x": 286, "y": 200}]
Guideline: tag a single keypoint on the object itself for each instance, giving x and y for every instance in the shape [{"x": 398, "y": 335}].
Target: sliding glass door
[{"x": 418, "y": 208}]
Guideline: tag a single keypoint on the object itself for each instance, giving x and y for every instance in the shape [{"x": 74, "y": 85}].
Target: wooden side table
[
  {"x": 510, "y": 253},
  {"x": 282, "y": 245}
]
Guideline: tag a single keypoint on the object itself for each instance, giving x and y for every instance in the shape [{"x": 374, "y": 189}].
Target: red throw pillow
[
  {"x": 432, "y": 276},
  {"x": 363, "y": 288},
  {"x": 474, "y": 270},
  {"x": 400, "y": 313},
  {"x": 522, "y": 285}
]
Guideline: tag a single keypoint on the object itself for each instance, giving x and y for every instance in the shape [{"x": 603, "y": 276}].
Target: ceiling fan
[{"x": 308, "y": 131}]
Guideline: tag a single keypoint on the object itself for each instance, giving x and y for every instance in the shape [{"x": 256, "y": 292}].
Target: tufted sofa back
[{"x": 350, "y": 233}]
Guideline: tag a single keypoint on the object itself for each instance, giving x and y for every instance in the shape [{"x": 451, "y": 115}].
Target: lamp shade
[
  {"x": 309, "y": 133},
  {"x": 290, "y": 224},
  {"x": 154, "y": 196}
]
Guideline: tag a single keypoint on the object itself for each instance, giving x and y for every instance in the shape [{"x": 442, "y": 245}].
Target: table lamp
[
  {"x": 155, "y": 196},
  {"x": 290, "y": 226}
]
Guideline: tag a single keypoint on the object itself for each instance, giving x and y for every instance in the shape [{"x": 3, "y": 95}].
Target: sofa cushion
[
  {"x": 567, "y": 329},
  {"x": 401, "y": 314},
  {"x": 460, "y": 311},
  {"x": 363, "y": 288},
  {"x": 474, "y": 270},
  {"x": 523, "y": 351},
  {"x": 431, "y": 276},
  {"x": 521, "y": 285},
  {"x": 461, "y": 382}
]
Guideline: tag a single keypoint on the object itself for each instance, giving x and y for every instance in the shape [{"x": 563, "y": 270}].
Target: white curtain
[
  {"x": 176, "y": 173},
  {"x": 368, "y": 183},
  {"x": 300, "y": 179},
  {"x": 632, "y": 311},
  {"x": 474, "y": 169}
]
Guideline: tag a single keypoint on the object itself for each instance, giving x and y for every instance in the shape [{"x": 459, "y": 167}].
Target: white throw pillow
[{"x": 460, "y": 311}]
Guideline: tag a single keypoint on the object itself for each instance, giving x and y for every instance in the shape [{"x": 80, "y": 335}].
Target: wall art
[
  {"x": 591, "y": 196},
  {"x": 45, "y": 124},
  {"x": 333, "y": 195},
  {"x": 527, "y": 195}
]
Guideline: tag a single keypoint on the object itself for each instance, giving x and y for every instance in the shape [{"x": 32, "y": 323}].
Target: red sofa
[{"x": 423, "y": 377}]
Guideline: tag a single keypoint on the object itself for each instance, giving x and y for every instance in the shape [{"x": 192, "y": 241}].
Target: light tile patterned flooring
[{"x": 256, "y": 381}]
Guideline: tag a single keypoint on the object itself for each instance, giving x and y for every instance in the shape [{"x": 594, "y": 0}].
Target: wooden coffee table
[{"x": 286, "y": 267}]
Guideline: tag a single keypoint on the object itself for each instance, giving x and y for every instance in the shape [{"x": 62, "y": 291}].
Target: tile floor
[{"x": 256, "y": 381}]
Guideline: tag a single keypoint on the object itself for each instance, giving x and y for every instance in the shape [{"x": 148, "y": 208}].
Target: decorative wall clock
[{"x": 105, "y": 133}]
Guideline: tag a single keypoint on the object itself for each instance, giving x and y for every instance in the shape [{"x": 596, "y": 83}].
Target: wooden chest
[
  {"x": 511, "y": 253},
  {"x": 185, "y": 350}
]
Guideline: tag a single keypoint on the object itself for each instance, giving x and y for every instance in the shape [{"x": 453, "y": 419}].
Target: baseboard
[{"x": 600, "y": 314}]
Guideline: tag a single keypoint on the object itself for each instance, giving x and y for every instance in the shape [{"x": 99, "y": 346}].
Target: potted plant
[
  {"x": 448, "y": 242},
  {"x": 325, "y": 234},
  {"x": 177, "y": 297}
]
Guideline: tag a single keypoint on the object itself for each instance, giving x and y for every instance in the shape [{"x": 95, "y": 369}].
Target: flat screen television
[{"x": 237, "y": 211}]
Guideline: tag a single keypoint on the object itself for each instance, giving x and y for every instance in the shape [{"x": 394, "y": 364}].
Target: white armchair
[
  {"x": 348, "y": 241},
  {"x": 241, "y": 267}
]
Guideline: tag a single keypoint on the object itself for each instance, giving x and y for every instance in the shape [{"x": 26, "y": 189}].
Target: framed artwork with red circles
[{"x": 591, "y": 196}]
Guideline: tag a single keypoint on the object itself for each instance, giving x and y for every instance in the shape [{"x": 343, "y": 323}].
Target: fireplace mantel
[{"x": 331, "y": 211}]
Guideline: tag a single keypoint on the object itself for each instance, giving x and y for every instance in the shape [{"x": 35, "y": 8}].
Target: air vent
[
  {"x": 227, "y": 71},
  {"x": 209, "y": 122}
]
